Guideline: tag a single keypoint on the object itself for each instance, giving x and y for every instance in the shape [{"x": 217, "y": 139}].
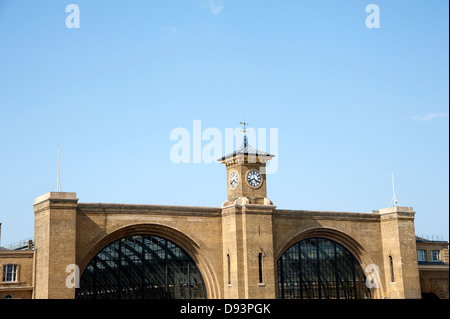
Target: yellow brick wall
[{"x": 22, "y": 287}]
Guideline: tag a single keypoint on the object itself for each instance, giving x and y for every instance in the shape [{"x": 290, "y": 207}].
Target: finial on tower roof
[
  {"x": 245, "y": 143},
  {"x": 246, "y": 149}
]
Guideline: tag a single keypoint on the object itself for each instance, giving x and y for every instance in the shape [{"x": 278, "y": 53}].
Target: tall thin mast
[
  {"x": 58, "y": 184},
  {"x": 393, "y": 190},
  {"x": 245, "y": 144}
]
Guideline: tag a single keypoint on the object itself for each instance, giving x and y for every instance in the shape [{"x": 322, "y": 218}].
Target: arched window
[
  {"x": 9, "y": 296},
  {"x": 141, "y": 267},
  {"x": 319, "y": 268},
  {"x": 260, "y": 268},
  {"x": 391, "y": 266},
  {"x": 229, "y": 269}
]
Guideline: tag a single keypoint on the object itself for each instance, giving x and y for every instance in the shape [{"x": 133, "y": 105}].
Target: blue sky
[{"x": 350, "y": 103}]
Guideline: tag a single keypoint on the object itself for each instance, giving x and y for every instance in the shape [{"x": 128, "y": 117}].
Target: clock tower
[
  {"x": 246, "y": 178},
  {"x": 247, "y": 226}
]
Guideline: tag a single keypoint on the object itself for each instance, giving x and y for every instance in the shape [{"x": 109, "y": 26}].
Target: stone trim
[{"x": 100, "y": 208}]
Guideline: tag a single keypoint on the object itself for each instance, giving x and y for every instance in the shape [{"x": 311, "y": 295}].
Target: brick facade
[{"x": 228, "y": 244}]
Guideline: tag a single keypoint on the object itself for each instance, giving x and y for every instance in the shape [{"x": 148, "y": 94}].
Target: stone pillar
[
  {"x": 259, "y": 264},
  {"x": 232, "y": 252},
  {"x": 399, "y": 253},
  {"x": 249, "y": 266},
  {"x": 55, "y": 242}
]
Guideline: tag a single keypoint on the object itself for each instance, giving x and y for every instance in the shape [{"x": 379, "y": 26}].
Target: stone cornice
[
  {"x": 55, "y": 200},
  {"x": 397, "y": 216},
  {"x": 434, "y": 267},
  {"x": 102, "y": 208},
  {"x": 397, "y": 212},
  {"x": 306, "y": 214},
  {"x": 253, "y": 209},
  {"x": 16, "y": 253},
  {"x": 4, "y": 287}
]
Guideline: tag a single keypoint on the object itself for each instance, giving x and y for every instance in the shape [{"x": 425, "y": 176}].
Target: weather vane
[
  {"x": 245, "y": 124},
  {"x": 245, "y": 133}
]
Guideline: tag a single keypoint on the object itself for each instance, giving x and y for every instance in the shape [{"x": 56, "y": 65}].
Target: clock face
[
  {"x": 234, "y": 179},
  {"x": 254, "y": 178}
]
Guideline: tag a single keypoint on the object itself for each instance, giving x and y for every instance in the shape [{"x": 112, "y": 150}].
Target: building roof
[
  {"x": 246, "y": 149},
  {"x": 426, "y": 240}
]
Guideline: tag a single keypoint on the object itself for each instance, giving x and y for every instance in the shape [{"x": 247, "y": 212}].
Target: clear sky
[{"x": 350, "y": 103}]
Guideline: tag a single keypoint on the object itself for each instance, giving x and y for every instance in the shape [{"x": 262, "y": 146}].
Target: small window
[
  {"x": 229, "y": 269},
  {"x": 9, "y": 297},
  {"x": 421, "y": 255},
  {"x": 391, "y": 263},
  {"x": 260, "y": 268},
  {"x": 435, "y": 255},
  {"x": 10, "y": 273}
]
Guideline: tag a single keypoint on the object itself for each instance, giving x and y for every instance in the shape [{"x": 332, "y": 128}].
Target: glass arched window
[
  {"x": 141, "y": 267},
  {"x": 319, "y": 268}
]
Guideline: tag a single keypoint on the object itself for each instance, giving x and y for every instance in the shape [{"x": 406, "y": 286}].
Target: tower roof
[{"x": 246, "y": 150}]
